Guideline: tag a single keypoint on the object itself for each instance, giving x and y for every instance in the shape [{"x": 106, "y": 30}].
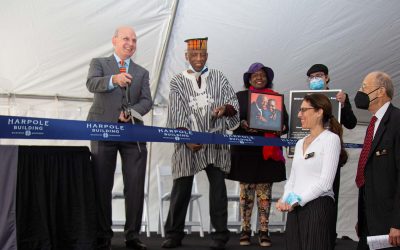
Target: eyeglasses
[
  {"x": 319, "y": 75},
  {"x": 365, "y": 86},
  {"x": 303, "y": 110}
]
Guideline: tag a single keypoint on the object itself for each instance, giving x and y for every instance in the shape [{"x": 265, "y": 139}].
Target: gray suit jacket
[{"x": 107, "y": 103}]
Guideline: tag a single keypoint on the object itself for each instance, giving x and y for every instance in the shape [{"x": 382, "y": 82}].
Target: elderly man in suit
[
  {"x": 118, "y": 85},
  {"x": 378, "y": 173}
]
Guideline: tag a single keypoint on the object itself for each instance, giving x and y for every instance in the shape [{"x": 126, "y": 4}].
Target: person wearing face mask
[
  {"x": 378, "y": 172},
  {"x": 256, "y": 167},
  {"x": 318, "y": 78},
  {"x": 200, "y": 99}
]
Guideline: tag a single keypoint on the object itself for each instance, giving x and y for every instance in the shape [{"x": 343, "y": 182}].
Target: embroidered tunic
[{"x": 191, "y": 107}]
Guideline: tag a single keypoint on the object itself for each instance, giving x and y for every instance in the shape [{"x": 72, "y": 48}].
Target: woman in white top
[{"x": 308, "y": 195}]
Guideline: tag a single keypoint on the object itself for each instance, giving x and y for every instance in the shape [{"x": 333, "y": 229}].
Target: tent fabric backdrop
[
  {"x": 46, "y": 47},
  {"x": 352, "y": 38}
]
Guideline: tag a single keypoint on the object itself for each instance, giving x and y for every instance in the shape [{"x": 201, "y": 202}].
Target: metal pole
[{"x": 163, "y": 53}]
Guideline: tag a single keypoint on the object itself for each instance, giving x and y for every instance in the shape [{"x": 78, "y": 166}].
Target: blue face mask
[{"x": 317, "y": 84}]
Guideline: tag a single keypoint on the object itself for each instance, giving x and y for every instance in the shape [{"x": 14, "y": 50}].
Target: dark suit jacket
[
  {"x": 382, "y": 176},
  {"x": 107, "y": 103},
  {"x": 347, "y": 117}
]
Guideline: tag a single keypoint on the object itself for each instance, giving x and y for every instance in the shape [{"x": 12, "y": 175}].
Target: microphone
[{"x": 127, "y": 95}]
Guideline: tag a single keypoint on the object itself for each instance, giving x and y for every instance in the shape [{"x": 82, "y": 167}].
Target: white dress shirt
[{"x": 379, "y": 115}]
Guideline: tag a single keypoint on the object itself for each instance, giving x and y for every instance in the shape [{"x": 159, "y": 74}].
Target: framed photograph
[
  {"x": 296, "y": 98},
  {"x": 265, "y": 111}
]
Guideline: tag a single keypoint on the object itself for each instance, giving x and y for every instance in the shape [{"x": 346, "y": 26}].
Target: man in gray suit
[{"x": 118, "y": 84}]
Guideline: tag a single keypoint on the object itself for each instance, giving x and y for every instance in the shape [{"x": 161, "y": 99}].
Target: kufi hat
[{"x": 197, "y": 43}]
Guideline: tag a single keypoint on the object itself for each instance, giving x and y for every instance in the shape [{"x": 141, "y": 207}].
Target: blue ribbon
[{"x": 17, "y": 127}]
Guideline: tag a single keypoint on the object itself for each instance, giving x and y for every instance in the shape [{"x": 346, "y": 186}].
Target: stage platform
[{"x": 194, "y": 241}]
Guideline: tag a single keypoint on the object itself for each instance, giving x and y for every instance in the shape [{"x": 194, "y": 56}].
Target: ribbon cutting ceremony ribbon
[{"x": 17, "y": 127}]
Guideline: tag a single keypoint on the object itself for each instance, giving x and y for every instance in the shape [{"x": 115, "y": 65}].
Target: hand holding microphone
[{"x": 122, "y": 79}]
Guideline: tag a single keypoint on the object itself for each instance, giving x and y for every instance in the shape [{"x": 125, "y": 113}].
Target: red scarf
[{"x": 270, "y": 152}]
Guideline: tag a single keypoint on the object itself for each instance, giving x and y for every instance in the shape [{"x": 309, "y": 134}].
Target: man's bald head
[
  {"x": 381, "y": 79},
  {"x": 124, "y": 42}
]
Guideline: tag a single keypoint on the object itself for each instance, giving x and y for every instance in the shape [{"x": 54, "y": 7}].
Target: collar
[
  {"x": 195, "y": 73},
  {"x": 127, "y": 61},
  {"x": 382, "y": 110},
  {"x": 203, "y": 73}
]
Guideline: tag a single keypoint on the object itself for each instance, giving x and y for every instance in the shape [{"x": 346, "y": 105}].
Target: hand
[
  {"x": 194, "y": 147},
  {"x": 219, "y": 111},
  {"x": 291, "y": 207},
  {"x": 261, "y": 118},
  {"x": 282, "y": 206},
  {"x": 122, "y": 79},
  {"x": 246, "y": 127},
  {"x": 394, "y": 237},
  {"x": 122, "y": 117},
  {"x": 341, "y": 97},
  {"x": 277, "y": 133}
]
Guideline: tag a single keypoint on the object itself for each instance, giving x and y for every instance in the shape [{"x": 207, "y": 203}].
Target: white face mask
[{"x": 196, "y": 74}]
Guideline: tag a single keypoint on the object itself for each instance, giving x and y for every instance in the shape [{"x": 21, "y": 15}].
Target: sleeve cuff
[
  {"x": 293, "y": 198},
  {"x": 229, "y": 110},
  {"x": 110, "y": 84}
]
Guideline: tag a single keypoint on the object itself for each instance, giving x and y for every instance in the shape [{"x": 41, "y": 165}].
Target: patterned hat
[{"x": 197, "y": 43}]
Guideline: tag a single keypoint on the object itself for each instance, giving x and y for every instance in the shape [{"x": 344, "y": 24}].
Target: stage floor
[{"x": 194, "y": 241}]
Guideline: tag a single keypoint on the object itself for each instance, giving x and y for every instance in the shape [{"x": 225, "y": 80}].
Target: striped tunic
[{"x": 191, "y": 107}]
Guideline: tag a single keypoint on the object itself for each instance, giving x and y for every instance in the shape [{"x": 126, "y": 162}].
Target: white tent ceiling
[
  {"x": 46, "y": 47},
  {"x": 352, "y": 37}
]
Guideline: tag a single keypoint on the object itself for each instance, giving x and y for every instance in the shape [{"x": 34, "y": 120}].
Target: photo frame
[{"x": 265, "y": 111}]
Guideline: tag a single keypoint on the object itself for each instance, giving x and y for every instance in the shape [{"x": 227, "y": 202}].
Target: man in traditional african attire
[{"x": 201, "y": 99}]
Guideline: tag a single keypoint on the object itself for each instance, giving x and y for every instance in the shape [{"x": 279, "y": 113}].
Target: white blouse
[{"x": 314, "y": 170}]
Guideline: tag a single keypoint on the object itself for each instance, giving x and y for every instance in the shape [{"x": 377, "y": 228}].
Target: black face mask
[{"x": 362, "y": 99}]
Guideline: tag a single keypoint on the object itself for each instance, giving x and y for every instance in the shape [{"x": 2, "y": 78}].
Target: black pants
[
  {"x": 362, "y": 222},
  {"x": 133, "y": 170},
  {"x": 309, "y": 227},
  {"x": 180, "y": 197},
  {"x": 335, "y": 187}
]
